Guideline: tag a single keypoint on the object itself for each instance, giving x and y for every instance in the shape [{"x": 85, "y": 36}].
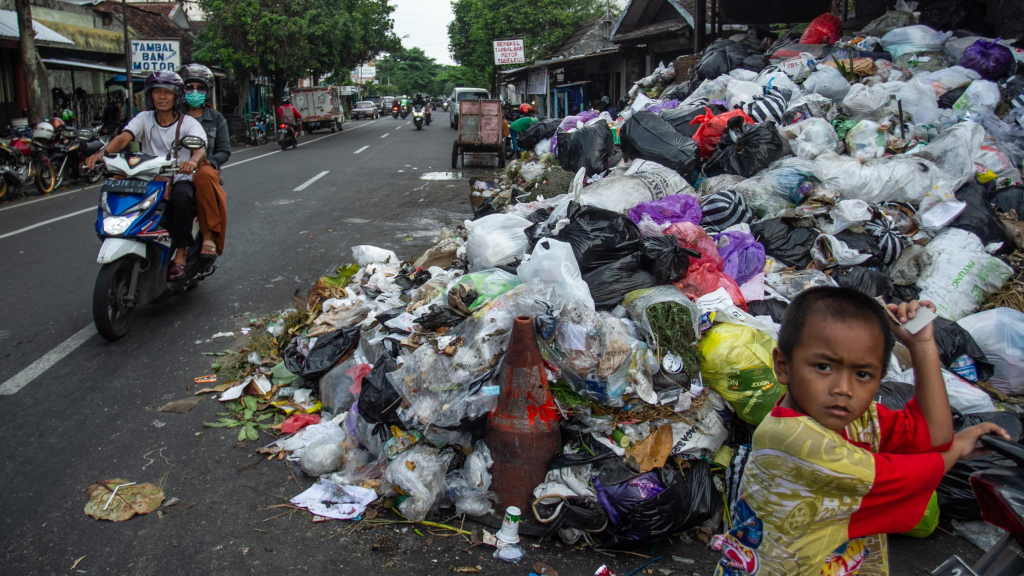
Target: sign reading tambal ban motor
[
  {"x": 509, "y": 51},
  {"x": 155, "y": 56}
]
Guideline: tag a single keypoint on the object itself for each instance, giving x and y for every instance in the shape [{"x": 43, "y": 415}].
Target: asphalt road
[{"x": 86, "y": 409}]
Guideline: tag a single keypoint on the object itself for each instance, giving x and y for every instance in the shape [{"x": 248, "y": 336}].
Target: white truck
[{"x": 320, "y": 107}]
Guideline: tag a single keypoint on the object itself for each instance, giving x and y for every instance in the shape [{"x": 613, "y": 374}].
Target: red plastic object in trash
[
  {"x": 297, "y": 422},
  {"x": 694, "y": 237},
  {"x": 711, "y": 128},
  {"x": 825, "y": 29},
  {"x": 705, "y": 279}
]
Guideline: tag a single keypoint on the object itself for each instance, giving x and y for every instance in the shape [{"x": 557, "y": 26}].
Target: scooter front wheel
[
  {"x": 111, "y": 311},
  {"x": 46, "y": 178}
]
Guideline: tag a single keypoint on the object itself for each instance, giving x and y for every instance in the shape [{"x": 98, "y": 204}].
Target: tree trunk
[{"x": 36, "y": 82}]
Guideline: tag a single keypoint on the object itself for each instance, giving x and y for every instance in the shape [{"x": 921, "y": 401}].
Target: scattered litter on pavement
[
  {"x": 118, "y": 500},
  {"x": 183, "y": 406},
  {"x": 329, "y": 500}
]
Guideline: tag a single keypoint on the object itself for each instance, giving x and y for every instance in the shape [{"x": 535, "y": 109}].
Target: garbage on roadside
[{"x": 579, "y": 353}]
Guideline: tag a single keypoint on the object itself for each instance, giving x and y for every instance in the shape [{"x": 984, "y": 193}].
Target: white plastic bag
[
  {"x": 776, "y": 79},
  {"x": 919, "y": 38},
  {"x": 419, "y": 472},
  {"x": 1000, "y": 335},
  {"x": 828, "y": 82},
  {"x": 920, "y": 102},
  {"x": 952, "y": 153},
  {"x": 324, "y": 455},
  {"x": 553, "y": 265},
  {"x": 364, "y": 255},
  {"x": 863, "y": 101},
  {"x": 469, "y": 487},
  {"x": 706, "y": 434},
  {"x": 947, "y": 79},
  {"x": 848, "y": 214},
  {"x": 496, "y": 239},
  {"x": 644, "y": 181},
  {"x": 980, "y": 96},
  {"x": 797, "y": 67},
  {"x": 741, "y": 92},
  {"x": 865, "y": 141},
  {"x": 957, "y": 274},
  {"x": 814, "y": 136}
]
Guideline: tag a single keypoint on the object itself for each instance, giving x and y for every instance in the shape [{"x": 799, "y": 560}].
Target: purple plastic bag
[
  {"x": 990, "y": 59},
  {"x": 657, "y": 107},
  {"x": 669, "y": 210},
  {"x": 569, "y": 123},
  {"x": 618, "y": 499},
  {"x": 742, "y": 255}
]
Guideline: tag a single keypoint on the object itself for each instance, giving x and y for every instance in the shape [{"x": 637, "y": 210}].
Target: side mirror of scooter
[{"x": 192, "y": 143}]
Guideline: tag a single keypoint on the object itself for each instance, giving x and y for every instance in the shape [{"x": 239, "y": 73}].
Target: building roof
[
  {"x": 587, "y": 38},
  {"x": 653, "y": 30},
  {"x": 153, "y": 20},
  {"x": 90, "y": 39},
  {"x": 642, "y": 18},
  {"x": 9, "y": 29}
]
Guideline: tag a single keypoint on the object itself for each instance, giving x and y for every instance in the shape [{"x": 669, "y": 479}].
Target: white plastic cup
[{"x": 509, "y": 533}]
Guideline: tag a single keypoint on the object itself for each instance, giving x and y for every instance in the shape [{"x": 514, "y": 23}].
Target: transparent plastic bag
[
  {"x": 324, "y": 455},
  {"x": 918, "y": 38},
  {"x": 419, "y": 473},
  {"x": 340, "y": 386},
  {"x": 468, "y": 487},
  {"x": 865, "y": 141},
  {"x": 364, "y": 255},
  {"x": 791, "y": 283},
  {"x": 828, "y": 82},
  {"x": 676, "y": 365},
  {"x": 553, "y": 265},
  {"x": 496, "y": 239},
  {"x": 814, "y": 136},
  {"x": 1000, "y": 335}
]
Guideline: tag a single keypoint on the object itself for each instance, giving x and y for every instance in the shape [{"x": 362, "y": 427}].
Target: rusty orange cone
[{"x": 523, "y": 430}]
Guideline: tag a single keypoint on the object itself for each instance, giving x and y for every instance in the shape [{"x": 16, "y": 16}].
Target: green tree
[
  {"x": 410, "y": 70},
  {"x": 543, "y": 24},
  {"x": 452, "y": 77}
]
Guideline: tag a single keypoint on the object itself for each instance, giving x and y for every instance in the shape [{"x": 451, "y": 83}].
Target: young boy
[{"x": 831, "y": 471}]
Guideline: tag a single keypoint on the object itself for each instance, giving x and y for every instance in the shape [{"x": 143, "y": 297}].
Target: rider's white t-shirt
[{"x": 157, "y": 140}]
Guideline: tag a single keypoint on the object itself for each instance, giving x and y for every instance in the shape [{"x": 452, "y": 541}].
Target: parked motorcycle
[
  {"x": 419, "y": 116},
  {"x": 68, "y": 153},
  {"x": 22, "y": 162},
  {"x": 1000, "y": 495},
  {"x": 136, "y": 252},
  {"x": 286, "y": 137},
  {"x": 257, "y": 133}
]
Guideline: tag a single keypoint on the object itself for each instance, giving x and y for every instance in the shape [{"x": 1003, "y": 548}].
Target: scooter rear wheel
[
  {"x": 46, "y": 178},
  {"x": 110, "y": 310}
]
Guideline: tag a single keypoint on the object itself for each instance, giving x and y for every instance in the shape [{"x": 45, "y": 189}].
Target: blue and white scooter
[{"x": 136, "y": 252}]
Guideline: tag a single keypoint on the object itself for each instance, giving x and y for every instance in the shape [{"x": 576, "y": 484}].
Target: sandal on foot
[{"x": 209, "y": 249}]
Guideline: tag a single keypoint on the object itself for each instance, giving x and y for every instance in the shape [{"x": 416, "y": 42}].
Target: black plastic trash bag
[
  {"x": 591, "y": 147},
  {"x": 787, "y": 244},
  {"x": 894, "y": 395},
  {"x": 767, "y": 307},
  {"x": 980, "y": 218},
  {"x": 598, "y": 236},
  {"x": 746, "y": 149},
  {"x": 647, "y": 135},
  {"x": 685, "y": 501},
  {"x": 329, "y": 349},
  {"x": 949, "y": 98},
  {"x": 1009, "y": 198},
  {"x": 677, "y": 92},
  {"x": 868, "y": 281},
  {"x": 1005, "y": 420},
  {"x": 722, "y": 57},
  {"x": 755, "y": 62},
  {"x": 538, "y": 131},
  {"x": 663, "y": 257},
  {"x": 864, "y": 244},
  {"x": 956, "y": 498},
  {"x": 609, "y": 283},
  {"x": 953, "y": 341},
  {"x": 378, "y": 400},
  {"x": 680, "y": 118}
]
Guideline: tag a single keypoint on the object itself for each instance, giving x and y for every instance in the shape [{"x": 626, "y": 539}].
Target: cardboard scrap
[{"x": 652, "y": 452}]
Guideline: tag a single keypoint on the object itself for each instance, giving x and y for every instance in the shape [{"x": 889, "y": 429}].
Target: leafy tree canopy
[{"x": 410, "y": 70}]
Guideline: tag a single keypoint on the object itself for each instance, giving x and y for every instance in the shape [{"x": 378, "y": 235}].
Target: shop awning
[
  {"x": 88, "y": 39},
  {"x": 119, "y": 80},
  {"x": 79, "y": 65},
  {"x": 9, "y": 29}
]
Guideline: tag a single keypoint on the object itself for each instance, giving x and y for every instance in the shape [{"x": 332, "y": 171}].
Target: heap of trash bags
[{"x": 656, "y": 253}]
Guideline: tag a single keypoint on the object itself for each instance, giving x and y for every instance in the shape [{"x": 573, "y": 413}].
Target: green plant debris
[
  {"x": 673, "y": 326},
  {"x": 244, "y": 414}
]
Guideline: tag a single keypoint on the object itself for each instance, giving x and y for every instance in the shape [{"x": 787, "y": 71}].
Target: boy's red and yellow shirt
[{"x": 817, "y": 502}]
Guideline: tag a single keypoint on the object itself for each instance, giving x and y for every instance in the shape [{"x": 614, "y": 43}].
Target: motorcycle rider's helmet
[
  {"x": 43, "y": 132},
  {"x": 197, "y": 73},
  {"x": 168, "y": 80},
  {"x": 67, "y": 115},
  {"x": 526, "y": 109},
  {"x": 286, "y": 100}
]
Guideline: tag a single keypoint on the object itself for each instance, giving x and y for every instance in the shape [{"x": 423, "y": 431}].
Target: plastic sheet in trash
[
  {"x": 668, "y": 210},
  {"x": 828, "y": 82}
]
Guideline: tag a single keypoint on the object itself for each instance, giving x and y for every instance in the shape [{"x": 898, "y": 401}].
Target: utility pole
[
  {"x": 128, "y": 59},
  {"x": 31, "y": 64}
]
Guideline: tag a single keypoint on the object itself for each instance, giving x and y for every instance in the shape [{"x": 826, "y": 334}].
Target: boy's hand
[
  {"x": 906, "y": 311},
  {"x": 965, "y": 442}
]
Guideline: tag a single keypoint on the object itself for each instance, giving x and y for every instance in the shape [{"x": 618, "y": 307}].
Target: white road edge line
[
  {"x": 310, "y": 181},
  {"x": 35, "y": 369},
  {"x": 361, "y": 149},
  {"x": 45, "y": 222}
]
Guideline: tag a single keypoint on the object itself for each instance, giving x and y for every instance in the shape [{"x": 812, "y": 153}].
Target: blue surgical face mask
[{"x": 195, "y": 98}]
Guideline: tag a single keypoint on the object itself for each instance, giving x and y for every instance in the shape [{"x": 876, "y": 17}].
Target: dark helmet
[
  {"x": 168, "y": 80},
  {"x": 197, "y": 72},
  {"x": 286, "y": 100}
]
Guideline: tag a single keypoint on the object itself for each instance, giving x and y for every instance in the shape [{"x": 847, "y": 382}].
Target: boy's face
[{"x": 834, "y": 372}]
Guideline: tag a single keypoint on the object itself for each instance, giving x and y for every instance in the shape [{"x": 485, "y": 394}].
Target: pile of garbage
[{"x": 617, "y": 297}]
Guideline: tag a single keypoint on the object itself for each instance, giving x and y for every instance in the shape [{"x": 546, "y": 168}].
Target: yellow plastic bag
[
  {"x": 738, "y": 365},
  {"x": 928, "y": 522}
]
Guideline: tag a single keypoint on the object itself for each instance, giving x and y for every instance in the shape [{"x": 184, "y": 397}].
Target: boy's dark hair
[{"x": 843, "y": 304}]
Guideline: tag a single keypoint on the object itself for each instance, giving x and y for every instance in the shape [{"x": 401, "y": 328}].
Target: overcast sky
[{"x": 426, "y": 23}]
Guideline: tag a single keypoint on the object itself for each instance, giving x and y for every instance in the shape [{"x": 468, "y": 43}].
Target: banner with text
[
  {"x": 155, "y": 56},
  {"x": 509, "y": 52}
]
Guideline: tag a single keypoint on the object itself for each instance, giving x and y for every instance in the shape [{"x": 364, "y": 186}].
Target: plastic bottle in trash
[{"x": 965, "y": 368}]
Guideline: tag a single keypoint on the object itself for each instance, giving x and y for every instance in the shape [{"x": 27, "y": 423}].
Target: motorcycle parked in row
[
  {"x": 136, "y": 253},
  {"x": 24, "y": 162},
  {"x": 286, "y": 137},
  {"x": 257, "y": 133},
  {"x": 68, "y": 153},
  {"x": 1000, "y": 495}
]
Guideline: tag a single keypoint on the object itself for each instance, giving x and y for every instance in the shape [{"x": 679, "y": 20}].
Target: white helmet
[{"x": 43, "y": 131}]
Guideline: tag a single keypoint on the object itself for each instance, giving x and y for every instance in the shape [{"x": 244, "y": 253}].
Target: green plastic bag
[
  {"x": 928, "y": 522},
  {"x": 738, "y": 365}
]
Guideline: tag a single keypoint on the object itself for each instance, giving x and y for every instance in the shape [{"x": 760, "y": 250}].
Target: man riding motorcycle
[
  {"x": 420, "y": 101},
  {"x": 157, "y": 130},
  {"x": 211, "y": 201},
  {"x": 289, "y": 116}
]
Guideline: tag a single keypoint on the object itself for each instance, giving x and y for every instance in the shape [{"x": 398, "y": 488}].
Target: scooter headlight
[{"x": 117, "y": 225}]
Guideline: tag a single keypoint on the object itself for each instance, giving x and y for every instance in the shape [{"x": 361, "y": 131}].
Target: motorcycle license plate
[
  {"x": 954, "y": 567},
  {"x": 113, "y": 186}
]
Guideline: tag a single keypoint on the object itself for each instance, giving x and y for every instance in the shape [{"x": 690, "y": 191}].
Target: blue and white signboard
[{"x": 155, "y": 56}]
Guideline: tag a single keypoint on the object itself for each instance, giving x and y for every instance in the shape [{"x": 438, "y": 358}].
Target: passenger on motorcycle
[
  {"x": 156, "y": 130},
  {"x": 211, "y": 201},
  {"x": 289, "y": 116}
]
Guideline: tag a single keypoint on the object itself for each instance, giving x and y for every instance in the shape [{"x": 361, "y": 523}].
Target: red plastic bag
[
  {"x": 825, "y": 29},
  {"x": 705, "y": 279},
  {"x": 691, "y": 236},
  {"x": 297, "y": 422},
  {"x": 711, "y": 128}
]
